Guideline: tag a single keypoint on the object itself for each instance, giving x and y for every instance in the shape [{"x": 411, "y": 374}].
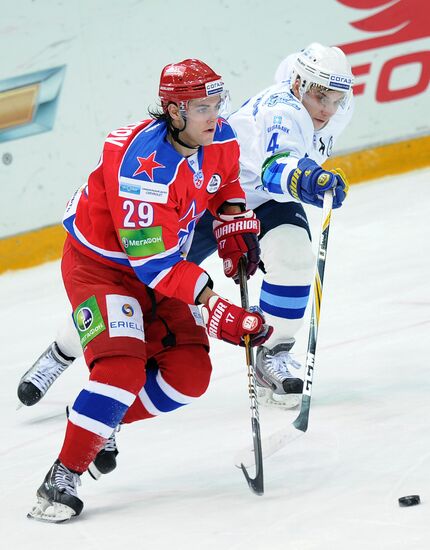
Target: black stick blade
[{"x": 256, "y": 484}]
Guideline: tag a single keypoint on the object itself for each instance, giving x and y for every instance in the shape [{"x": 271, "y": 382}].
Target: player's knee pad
[
  {"x": 192, "y": 370},
  {"x": 287, "y": 254}
]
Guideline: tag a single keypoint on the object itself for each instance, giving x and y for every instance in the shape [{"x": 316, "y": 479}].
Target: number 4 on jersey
[{"x": 273, "y": 144}]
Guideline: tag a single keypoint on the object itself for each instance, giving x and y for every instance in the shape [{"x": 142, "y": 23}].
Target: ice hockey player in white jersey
[{"x": 286, "y": 132}]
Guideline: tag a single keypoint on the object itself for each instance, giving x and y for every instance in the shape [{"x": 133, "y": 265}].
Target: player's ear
[
  {"x": 295, "y": 86},
  {"x": 173, "y": 111}
]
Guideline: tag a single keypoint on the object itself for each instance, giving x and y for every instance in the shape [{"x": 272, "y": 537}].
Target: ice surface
[{"x": 335, "y": 488}]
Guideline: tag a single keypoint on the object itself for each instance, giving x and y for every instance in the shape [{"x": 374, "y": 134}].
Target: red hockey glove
[
  {"x": 237, "y": 235},
  {"x": 231, "y": 323}
]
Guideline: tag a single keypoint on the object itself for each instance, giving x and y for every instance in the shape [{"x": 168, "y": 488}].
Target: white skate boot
[
  {"x": 277, "y": 384},
  {"x": 40, "y": 377}
]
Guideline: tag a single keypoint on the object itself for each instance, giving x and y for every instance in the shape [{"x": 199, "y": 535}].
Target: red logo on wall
[{"x": 395, "y": 23}]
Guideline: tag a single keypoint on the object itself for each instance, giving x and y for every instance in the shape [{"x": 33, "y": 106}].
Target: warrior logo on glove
[
  {"x": 231, "y": 323},
  {"x": 237, "y": 236}
]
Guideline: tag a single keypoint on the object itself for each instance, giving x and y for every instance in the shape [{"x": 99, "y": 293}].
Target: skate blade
[
  {"x": 50, "y": 512},
  {"x": 94, "y": 472},
  {"x": 19, "y": 406},
  {"x": 266, "y": 398}
]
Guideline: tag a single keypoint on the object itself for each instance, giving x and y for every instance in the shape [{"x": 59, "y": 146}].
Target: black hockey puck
[{"x": 410, "y": 500}]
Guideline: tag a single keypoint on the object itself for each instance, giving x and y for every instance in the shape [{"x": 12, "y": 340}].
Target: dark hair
[{"x": 157, "y": 113}]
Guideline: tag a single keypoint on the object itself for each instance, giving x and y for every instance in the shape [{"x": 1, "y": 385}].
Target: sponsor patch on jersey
[
  {"x": 214, "y": 184},
  {"x": 143, "y": 191},
  {"x": 280, "y": 127},
  {"x": 139, "y": 243},
  {"x": 88, "y": 320},
  {"x": 124, "y": 317},
  {"x": 195, "y": 312}
]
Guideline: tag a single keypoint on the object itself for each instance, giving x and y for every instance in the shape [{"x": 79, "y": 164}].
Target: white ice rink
[{"x": 176, "y": 486}]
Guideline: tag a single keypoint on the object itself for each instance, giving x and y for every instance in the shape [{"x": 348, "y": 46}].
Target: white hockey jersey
[{"x": 273, "y": 122}]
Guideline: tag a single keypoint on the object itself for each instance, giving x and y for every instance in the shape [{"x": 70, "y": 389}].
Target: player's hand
[
  {"x": 231, "y": 323},
  {"x": 308, "y": 183},
  {"x": 236, "y": 236}
]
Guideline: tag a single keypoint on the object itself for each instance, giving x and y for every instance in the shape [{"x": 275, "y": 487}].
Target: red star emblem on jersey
[{"x": 148, "y": 165}]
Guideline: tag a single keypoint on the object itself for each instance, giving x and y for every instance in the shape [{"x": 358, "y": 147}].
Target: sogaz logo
[
  {"x": 215, "y": 87},
  {"x": 340, "y": 81},
  {"x": 84, "y": 319}
]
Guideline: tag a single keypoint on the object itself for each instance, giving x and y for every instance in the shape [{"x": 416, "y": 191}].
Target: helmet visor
[
  {"x": 330, "y": 100},
  {"x": 207, "y": 108}
]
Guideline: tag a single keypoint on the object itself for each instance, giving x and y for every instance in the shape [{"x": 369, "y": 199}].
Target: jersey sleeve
[{"x": 284, "y": 142}]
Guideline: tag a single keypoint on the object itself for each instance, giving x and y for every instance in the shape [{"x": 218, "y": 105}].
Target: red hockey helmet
[{"x": 188, "y": 79}]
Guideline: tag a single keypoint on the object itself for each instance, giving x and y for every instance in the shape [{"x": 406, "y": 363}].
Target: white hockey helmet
[{"x": 323, "y": 66}]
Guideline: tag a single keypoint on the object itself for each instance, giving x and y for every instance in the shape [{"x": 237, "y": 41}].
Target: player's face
[
  {"x": 202, "y": 115},
  {"x": 321, "y": 105}
]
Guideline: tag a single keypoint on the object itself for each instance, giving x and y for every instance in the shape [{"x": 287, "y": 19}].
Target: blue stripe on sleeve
[
  {"x": 271, "y": 177},
  {"x": 152, "y": 268}
]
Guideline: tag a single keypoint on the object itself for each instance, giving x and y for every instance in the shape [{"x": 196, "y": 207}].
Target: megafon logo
[
  {"x": 84, "y": 319},
  {"x": 395, "y": 22},
  {"x": 28, "y": 103}
]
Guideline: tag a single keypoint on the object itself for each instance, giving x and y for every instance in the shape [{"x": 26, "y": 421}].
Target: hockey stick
[
  {"x": 256, "y": 484},
  {"x": 280, "y": 438},
  {"x": 302, "y": 421}
]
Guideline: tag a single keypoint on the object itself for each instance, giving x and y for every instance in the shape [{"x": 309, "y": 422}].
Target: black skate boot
[
  {"x": 40, "y": 377},
  {"x": 57, "y": 498},
  {"x": 105, "y": 461}
]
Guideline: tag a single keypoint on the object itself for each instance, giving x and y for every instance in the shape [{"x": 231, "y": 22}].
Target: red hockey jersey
[{"x": 141, "y": 204}]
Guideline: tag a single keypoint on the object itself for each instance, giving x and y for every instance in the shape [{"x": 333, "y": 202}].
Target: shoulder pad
[{"x": 149, "y": 158}]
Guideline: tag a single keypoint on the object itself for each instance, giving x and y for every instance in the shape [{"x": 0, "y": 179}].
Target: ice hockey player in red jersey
[{"x": 134, "y": 295}]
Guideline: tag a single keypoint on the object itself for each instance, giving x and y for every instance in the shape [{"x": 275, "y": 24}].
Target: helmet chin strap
[{"x": 174, "y": 132}]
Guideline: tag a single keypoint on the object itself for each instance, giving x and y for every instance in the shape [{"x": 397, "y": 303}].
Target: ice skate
[
  {"x": 57, "y": 499},
  {"x": 277, "y": 385},
  {"x": 40, "y": 377},
  {"x": 105, "y": 461}
]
